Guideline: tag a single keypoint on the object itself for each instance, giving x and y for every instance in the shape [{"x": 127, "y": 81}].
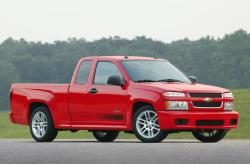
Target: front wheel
[
  {"x": 105, "y": 136},
  {"x": 41, "y": 125},
  {"x": 210, "y": 135},
  {"x": 146, "y": 125}
]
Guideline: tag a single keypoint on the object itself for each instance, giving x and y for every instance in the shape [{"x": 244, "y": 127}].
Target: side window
[
  {"x": 83, "y": 72},
  {"x": 104, "y": 70}
]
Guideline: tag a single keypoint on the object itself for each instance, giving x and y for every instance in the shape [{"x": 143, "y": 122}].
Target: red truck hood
[{"x": 182, "y": 87}]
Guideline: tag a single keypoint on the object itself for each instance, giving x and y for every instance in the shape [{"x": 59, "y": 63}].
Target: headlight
[
  {"x": 228, "y": 95},
  {"x": 176, "y": 105},
  {"x": 174, "y": 94},
  {"x": 228, "y": 106}
]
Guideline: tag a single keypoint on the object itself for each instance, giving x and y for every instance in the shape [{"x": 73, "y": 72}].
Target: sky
[{"x": 165, "y": 20}]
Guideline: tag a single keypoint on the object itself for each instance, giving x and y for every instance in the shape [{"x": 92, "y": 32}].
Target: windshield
[{"x": 153, "y": 71}]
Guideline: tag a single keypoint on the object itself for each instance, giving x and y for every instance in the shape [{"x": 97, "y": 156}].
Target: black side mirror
[
  {"x": 193, "y": 79},
  {"x": 115, "y": 80}
]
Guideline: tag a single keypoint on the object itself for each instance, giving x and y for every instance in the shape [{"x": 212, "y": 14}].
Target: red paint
[{"x": 73, "y": 107}]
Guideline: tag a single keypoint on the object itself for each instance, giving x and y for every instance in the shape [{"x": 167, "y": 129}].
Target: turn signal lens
[
  {"x": 228, "y": 95},
  {"x": 174, "y": 94}
]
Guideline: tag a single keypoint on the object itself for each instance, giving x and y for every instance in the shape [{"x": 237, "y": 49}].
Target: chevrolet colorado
[{"x": 146, "y": 96}]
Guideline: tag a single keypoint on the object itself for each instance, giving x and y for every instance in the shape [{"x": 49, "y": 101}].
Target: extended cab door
[{"x": 78, "y": 93}]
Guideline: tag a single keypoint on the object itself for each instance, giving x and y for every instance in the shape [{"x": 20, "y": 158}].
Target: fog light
[
  {"x": 181, "y": 121},
  {"x": 233, "y": 121}
]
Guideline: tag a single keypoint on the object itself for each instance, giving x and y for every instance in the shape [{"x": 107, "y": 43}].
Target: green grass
[{"x": 242, "y": 105}]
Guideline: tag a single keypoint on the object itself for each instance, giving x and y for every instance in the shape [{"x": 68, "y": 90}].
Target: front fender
[{"x": 147, "y": 96}]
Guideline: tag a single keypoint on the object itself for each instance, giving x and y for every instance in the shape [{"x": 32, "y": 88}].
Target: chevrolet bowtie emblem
[{"x": 207, "y": 99}]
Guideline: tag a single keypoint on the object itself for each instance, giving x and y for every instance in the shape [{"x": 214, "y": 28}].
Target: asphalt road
[{"x": 124, "y": 152}]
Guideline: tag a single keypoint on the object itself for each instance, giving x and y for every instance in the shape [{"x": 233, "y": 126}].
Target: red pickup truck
[{"x": 146, "y": 96}]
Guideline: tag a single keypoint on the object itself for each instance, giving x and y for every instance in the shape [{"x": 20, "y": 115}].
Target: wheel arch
[
  {"x": 138, "y": 104},
  {"x": 159, "y": 135},
  {"x": 143, "y": 98},
  {"x": 135, "y": 105},
  {"x": 38, "y": 103}
]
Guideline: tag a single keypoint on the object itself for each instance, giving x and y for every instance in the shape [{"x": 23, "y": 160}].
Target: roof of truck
[{"x": 122, "y": 57}]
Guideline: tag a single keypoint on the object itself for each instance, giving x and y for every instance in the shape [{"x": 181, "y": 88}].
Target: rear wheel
[
  {"x": 41, "y": 125},
  {"x": 210, "y": 135},
  {"x": 146, "y": 125},
  {"x": 105, "y": 136}
]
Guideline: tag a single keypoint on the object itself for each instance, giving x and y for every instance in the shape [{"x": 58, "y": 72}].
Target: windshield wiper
[
  {"x": 162, "y": 80},
  {"x": 170, "y": 80},
  {"x": 145, "y": 80}
]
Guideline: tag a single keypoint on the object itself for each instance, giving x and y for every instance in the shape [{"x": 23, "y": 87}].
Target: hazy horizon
[
  {"x": 162, "y": 20},
  {"x": 78, "y": 38}
]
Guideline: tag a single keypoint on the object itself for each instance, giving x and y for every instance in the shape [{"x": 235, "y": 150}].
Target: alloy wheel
[
  {"x": 39, "y": 124},
  {"x": 147, "y": 124}
]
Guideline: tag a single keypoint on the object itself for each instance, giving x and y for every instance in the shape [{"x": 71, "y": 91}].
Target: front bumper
[{"x": 190, "y": 120}]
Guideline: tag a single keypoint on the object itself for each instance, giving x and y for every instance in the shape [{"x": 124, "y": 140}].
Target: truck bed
[{"x": 54, "y": 94}]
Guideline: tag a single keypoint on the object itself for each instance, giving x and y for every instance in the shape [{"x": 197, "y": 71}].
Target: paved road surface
[{"x": 124, "y": 152}]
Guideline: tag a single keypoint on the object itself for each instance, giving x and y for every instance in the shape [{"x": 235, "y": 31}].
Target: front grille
[
  {"x": 207, "y": 104},
  {"x": 209, "y": 123},
  {"x": 211, "y": 95}
]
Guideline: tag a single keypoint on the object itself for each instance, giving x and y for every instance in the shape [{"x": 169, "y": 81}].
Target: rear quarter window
[{"x": 83, "y": 72}]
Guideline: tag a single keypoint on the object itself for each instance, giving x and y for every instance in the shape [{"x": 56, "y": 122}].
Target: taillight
[{"x": 11, "y": 93}]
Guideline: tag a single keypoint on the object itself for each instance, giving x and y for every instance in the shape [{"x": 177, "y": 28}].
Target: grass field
[{"x": 242, "y": 105}]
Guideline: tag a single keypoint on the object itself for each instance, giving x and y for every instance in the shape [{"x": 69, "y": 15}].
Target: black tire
[
  {"x": 159, "y": 136},
  {"x": 213, "y": 135},
  {"x": 105, "y": 136},
  {"x": 50, "y": 133}
]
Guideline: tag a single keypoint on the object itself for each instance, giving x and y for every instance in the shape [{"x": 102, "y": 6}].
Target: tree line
[{"x": 224, "y": 61}]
